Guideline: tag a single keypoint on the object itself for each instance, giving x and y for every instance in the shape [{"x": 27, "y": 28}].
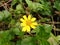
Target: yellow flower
[{"x": 28, "y": 23}]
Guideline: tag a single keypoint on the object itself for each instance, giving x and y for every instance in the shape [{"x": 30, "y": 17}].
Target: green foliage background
[{"x": 10, "y": 29}]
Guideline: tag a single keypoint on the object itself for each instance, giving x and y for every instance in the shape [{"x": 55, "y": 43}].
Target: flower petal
[
  {"x": 24, "y": 29},
  {"x": 32, "y": 26},
  {"x": 25, "y": 17},
  {"x": 22, "y": 20},
  {"x": 28, "y": 29},
  {"x": 34, "y": 23},
  {"x": 29, "y": 17},
  {"x": 23, "y": 24},
  {"x": 33, "y": 19}
]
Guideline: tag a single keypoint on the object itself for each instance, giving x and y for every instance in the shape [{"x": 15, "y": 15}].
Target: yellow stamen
[{"x": 28, "y": 22}]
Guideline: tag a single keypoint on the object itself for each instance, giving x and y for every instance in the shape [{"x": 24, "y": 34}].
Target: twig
[
  {"x": 39, "y": 16},
  {"x": 57, "y": 12},
  {"x": 53, "y": 22},
  {"x": 6, "y": 3},
  {"x": 56, "y": 29}
]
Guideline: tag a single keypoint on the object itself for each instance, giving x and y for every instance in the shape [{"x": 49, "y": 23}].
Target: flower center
[{"x": 28, "y": 22}]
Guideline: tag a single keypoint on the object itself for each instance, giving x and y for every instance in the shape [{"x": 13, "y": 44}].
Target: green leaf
[
  {"x": 18, "y": 42},
  {"x": 58, "y": 38},
  {"x": 52, "y": 41},
  {"x": 34, "y": 6},
  {"x": 48, "y": 28},
  {"x": 5, "y": 37},
  {"x": 6, "y": 14},
  {"x": 7, "y": 43},
  {"x": 42, "y": 33},
  {"x": 26, "y": 41},
  {"x": 12, "y": 23},
  {"x": 16, "y": 31},
  {"x": 40, "y": 7},
  {"x": 46, "y": 9},
  {"x": 57, "y": 4},
  {"x": 19, "y": 9},
  {"x": 42, "y": 1},
  {"x": 1, "y": 16},
  {"x": 20, "y": 1},
  {"x": 44, "y": 42},
  {"x": 14, "y": 2}
]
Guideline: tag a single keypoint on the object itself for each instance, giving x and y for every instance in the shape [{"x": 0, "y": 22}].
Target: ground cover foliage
[{"x": 47, "y": 14}]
